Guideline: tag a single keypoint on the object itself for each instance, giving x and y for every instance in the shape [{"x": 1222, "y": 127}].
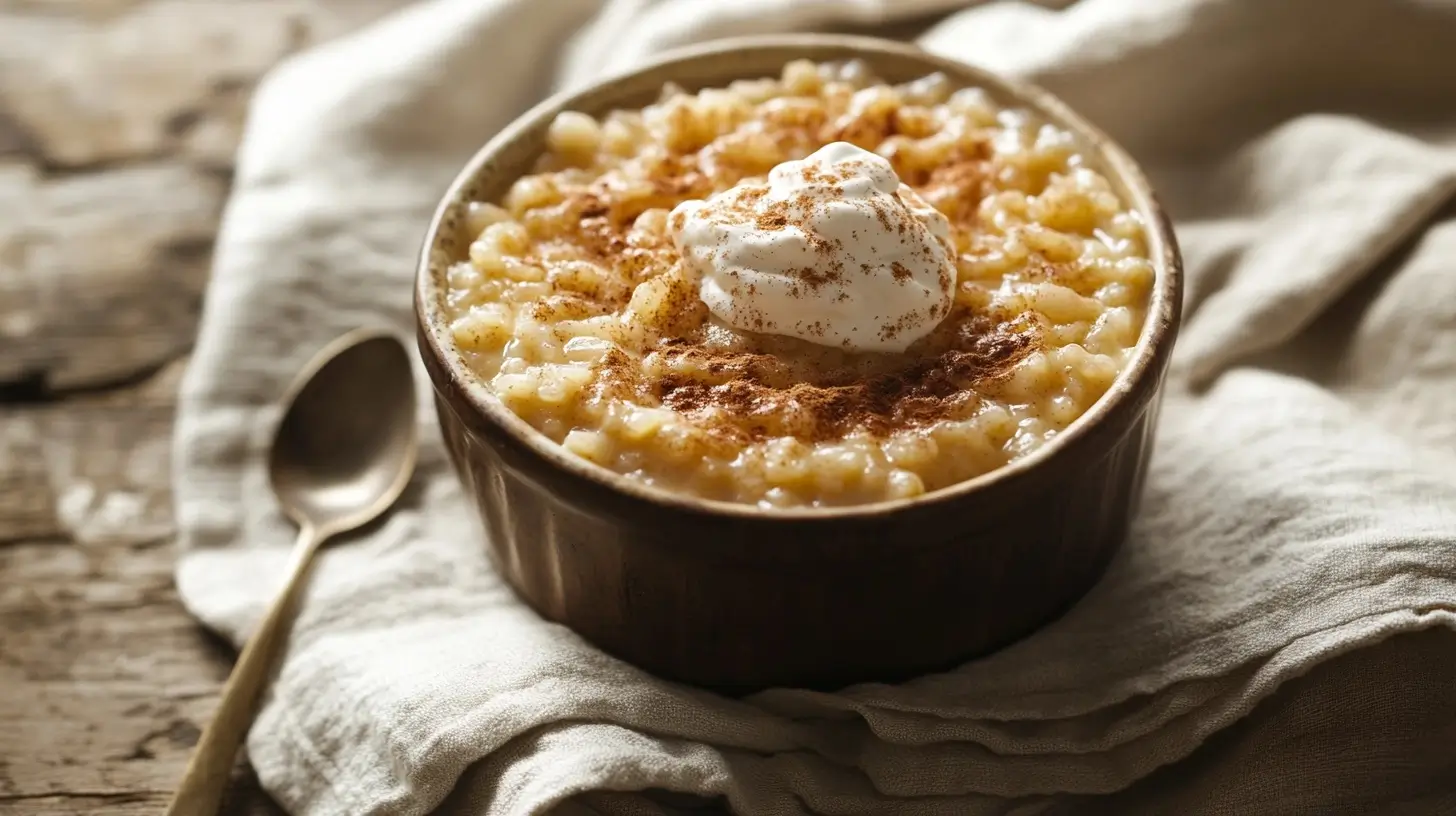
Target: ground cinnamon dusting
[
  {"x": 937, "y": 379},
  {"x": 884, "y": 218},
  {"x": 775, "y": 218},
  {"x": 922, "y": 390},
  {"x": 817, "y": 277}
]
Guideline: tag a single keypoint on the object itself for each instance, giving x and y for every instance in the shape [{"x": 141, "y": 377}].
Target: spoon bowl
[
  {"x": 342, "y": 455},
  {"x": 346, "y": 445}
]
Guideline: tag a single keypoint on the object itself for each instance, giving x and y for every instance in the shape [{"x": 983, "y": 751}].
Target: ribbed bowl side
[{"x": 939, "y": 589}]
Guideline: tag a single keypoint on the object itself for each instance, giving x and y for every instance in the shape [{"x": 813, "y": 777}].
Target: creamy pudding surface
[{"x": 813, "y": 290}]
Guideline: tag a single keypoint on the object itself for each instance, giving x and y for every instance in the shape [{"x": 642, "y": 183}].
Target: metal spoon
[{"x": 341, "y": 456}]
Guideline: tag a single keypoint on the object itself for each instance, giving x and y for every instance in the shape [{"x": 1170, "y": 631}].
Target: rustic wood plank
[
  {"x": 118, "y": 123},
  {"x": 27, "y": 504},
  {"x": 105, "y": 270},
  {"x": 250, "y": 803},
  {"x": 106, "y": 681}
]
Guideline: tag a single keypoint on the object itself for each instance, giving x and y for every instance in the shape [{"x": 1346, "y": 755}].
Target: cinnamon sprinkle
[
  {"x": 775, "y": 388},
  {"x": 775, "y": 218},
  {"x": 745, "y": 389}
]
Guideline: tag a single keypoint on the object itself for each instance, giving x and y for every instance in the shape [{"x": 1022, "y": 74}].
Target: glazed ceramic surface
[{"x": 736, "y": 598}]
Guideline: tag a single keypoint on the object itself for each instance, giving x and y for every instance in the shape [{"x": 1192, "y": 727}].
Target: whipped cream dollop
[{"x": 834, "y": 250}]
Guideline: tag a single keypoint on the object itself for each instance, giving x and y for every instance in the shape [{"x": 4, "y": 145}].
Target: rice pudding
[{"x": 811, "y": 290}]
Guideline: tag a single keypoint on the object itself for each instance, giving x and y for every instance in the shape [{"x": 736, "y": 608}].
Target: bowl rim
[{"x": 1149, "y": 359}]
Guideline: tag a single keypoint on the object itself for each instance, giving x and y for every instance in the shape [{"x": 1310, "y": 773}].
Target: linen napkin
[{"x": 1300, "y": 511}]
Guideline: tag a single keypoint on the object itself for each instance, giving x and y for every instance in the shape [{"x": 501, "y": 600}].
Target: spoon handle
[{"x": 208, "y": 772}]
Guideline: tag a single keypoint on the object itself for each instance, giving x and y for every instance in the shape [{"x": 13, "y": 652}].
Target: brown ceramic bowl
[{"x": 736, "y": 598}]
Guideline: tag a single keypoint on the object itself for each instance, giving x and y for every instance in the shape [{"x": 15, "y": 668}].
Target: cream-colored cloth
[{"x": 1301, "y": 503}]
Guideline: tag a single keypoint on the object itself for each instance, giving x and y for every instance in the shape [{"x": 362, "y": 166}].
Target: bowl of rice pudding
[{"x": 800, "y": 360}]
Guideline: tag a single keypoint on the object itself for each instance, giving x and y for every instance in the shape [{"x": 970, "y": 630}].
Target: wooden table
[{"x": 118, "y": 121}]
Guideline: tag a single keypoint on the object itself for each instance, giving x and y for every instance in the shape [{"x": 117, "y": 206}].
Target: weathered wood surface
[{"x": 118, "y": 121}]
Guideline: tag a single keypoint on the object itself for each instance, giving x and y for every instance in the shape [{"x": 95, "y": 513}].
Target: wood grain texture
[
  {"x": 104, "y": 679},
  {"x": 734, "y": 598},
  {"x": 118, "y": 122}
]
